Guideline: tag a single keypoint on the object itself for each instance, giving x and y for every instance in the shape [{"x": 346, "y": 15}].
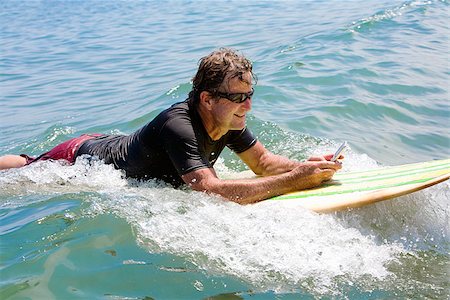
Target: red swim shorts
[{"x": 66, "y": 150}]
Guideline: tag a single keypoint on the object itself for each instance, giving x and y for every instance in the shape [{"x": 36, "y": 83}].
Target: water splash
[
  {"x": 277, "y": 246},
  {"x": 386, "y": 15}
]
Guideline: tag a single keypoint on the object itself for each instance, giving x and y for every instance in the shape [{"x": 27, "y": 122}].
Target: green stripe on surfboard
[
  {"x": 376, "y": 179},
  {"x": 396, "y": 169},
  {"x": 379, "y": 187},
  {"x": 382, "y": 176}
]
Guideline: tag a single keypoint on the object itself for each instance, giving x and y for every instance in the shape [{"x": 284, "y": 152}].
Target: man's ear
[{"x": 206, "y": 99}]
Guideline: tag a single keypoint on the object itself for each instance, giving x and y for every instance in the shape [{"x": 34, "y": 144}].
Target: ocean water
[{"x": 374, "y": 73}]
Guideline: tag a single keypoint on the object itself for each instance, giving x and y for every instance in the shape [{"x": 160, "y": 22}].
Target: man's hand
[
  {"x": 277, "y": 175},
  {"x": 314, "y": 172},
  {"x": 326, "y": 157}
]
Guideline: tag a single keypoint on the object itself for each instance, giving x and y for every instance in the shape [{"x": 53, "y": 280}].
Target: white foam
[
  {"x": 388, "y": 14},
  {"x": 50, "y": 176},
  {"x": 272, "y": 245}
]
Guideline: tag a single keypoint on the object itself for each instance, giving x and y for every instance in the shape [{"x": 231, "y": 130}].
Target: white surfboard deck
[{"x": 356, "y": 189}]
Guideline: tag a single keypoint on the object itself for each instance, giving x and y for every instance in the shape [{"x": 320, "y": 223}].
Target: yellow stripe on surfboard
[
  {"x": 409, "y": 168},
  {"x": 376, "y": 179}
]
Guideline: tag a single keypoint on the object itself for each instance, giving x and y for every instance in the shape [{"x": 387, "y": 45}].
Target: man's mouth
[{"x": 239, "y": 116}]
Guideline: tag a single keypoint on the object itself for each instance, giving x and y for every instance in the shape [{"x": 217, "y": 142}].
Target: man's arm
[
  {"x": 244, "y": 191},
  {"x": 264, "y": 163}
]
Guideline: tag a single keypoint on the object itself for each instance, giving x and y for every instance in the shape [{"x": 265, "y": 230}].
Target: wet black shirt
[{"x": 173, "y": 144}]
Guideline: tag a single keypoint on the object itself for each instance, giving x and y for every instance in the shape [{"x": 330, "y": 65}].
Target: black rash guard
[{"x": 171, "y": 145}]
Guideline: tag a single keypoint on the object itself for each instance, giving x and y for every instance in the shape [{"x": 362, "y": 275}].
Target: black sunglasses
[{"x": 236, "y": 97}]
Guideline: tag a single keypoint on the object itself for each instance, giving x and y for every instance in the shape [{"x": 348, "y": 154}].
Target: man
[{"x": 183, "y": 142}]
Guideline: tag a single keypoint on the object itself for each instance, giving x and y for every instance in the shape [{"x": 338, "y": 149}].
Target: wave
[
  {"x": 276, "y": 246},
  {"x": 388, "y": 14}
]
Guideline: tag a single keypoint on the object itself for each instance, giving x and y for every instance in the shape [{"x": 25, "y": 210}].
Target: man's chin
[{"x": 240, "y": 125}]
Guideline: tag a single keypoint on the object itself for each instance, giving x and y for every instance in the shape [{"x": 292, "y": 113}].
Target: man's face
[{"x": 230, "y": 115}]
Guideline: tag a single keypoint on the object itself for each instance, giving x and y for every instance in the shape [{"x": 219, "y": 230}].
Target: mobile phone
[{"x": 339, "y": 151}]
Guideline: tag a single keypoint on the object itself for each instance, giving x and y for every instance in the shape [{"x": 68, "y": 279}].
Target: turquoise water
[{"x": 374, "y": 73}]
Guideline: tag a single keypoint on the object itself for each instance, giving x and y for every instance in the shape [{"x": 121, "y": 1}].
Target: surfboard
[{"x": 356, "y": 189}]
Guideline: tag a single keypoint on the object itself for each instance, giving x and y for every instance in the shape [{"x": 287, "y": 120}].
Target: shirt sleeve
[
  {"x": 240, "y": 140},
  {"x": 181, "y": 145}
]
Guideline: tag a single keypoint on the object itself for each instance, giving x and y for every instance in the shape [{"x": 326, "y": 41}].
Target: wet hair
[{"x": 215, "y": 68}]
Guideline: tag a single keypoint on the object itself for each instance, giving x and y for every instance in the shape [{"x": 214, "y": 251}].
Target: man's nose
[{"x": 247, "y": 103}]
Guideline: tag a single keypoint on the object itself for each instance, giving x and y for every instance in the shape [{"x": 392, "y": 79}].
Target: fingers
[
  {"x": 336, "y": 165},
  {"x": 327, "y": 174},
  {"x": 327, "y": 157},
  {"x": 317, "y": 158},
  {"x": 323, "y": 175},
  {"x": 324, "y": 164},
  {"x": 325, "y": 170},
  {"x": 330, "y": 156},
  {"x": 314, "y": 173}
]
